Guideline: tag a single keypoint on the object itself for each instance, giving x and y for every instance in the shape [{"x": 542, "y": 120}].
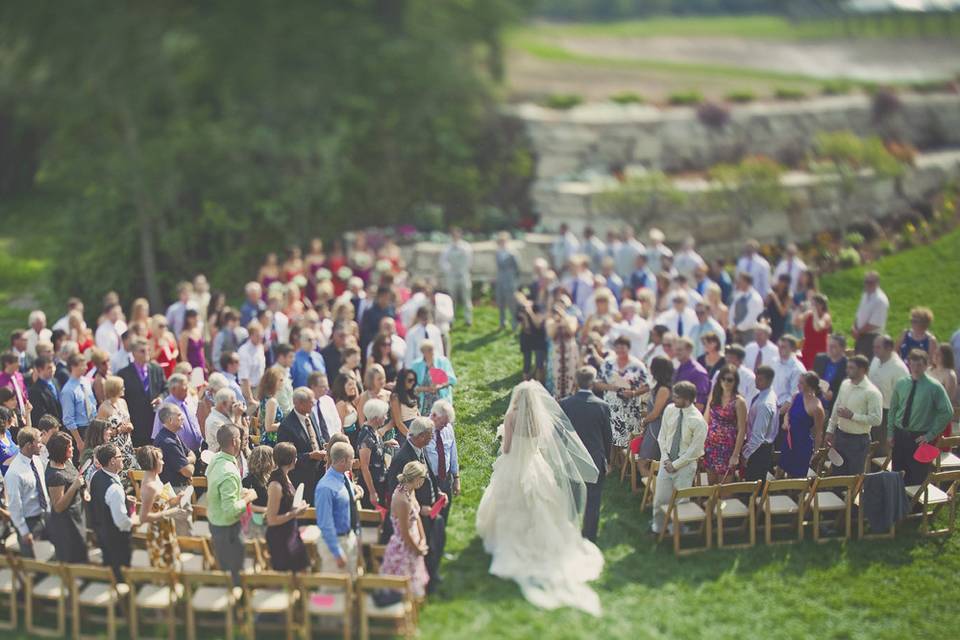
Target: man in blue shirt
[
  {"x": 77, "y": 400},
  {"x": 337, "y": 515},
  {"x": 762, "y": 427},
  {"x": 446, "y": 467},
  {"x": 307, "y": 360}
]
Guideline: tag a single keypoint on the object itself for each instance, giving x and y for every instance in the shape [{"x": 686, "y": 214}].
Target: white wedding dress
[{"x": 531, "y": 512}]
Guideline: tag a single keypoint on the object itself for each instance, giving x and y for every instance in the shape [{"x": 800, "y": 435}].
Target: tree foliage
[
  {"x": 192, "y": 136},
  {"x": 642, "y": 199}
]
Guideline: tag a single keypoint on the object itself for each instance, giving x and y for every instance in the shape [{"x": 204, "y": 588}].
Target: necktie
[
  {"x": 908, "y": 409},
  {"x": 740, "y": 309},
  {"x": 323, "y": 424},
  {"x": 354, "y": 515},
  {"x": 429, "y": 481},
  {"x": 680, "y": 324},
  {"x": 311, "y": 434},
  {"x": 42, "y": 499},
  {"x": 441, "y": 458},
  {"x": 677, "y": 436},
  {"x": 53, "y": 389},
  {"x": 758, "y": 360}
]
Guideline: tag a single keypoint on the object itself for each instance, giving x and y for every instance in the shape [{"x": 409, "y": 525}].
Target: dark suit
[
  {"x": 307, "y": 470},
  {"x": 44, "y": 401},
  {"x": 820, "y": 367},
  {"x": 61, "y": 374},
  {"x": 139, "y": 401},
  {"x": 426, "y": 495},
  {"x": 331, "y": 361},
  {"x": 591, "y": 419}
]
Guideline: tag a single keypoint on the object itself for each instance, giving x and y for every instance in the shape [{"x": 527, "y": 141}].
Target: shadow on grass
[{"x": 476, "y": 343}]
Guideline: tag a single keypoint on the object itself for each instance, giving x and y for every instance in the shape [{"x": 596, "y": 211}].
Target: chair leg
[
  {"x": 364, "y": 622},
  {"x": 676, "y": 532},
  {"x": 134, "y": 624},
  {"x": 191, "y": 617},
  {"x": 75, "y": 612},
  {"x": 112, "y": 621}
]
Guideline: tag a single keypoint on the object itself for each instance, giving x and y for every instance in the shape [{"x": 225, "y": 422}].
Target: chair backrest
[
  {"x": 136, "y": 478},
  {"x": 143, "y": 575},
  {"x": 949, "y": 442},
  {"x": 835, "y": 482},
  {"x": 211, "y": 578},
  {"x": 267, "y": 579},
  {"x": 30, "y": 565},
  {"x": 377, "y": 552},
  {"x": 309, "y": 515},
  {"x": 336, "y": 581},
  {"x": 199, "y": 546},
  {"x": 786, "y": 484},
  {"x": 709, "y": 491},
  {"x": 941, "y": 478},
  {"x": 369, "y": 517},
  {"x": 372, "y": 582},
  {"x": 198, "y": 482},
  {"x": 738, "y": 489},
  {"x": 99, "y": 573}
]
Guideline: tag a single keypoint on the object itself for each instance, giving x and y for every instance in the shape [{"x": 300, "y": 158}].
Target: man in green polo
[{"x": 227, "y": 501}]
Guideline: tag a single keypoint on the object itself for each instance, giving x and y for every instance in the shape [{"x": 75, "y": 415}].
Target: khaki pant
[
  {"x": 666, "y": 483},
  {"x": 350, "y": 547}
]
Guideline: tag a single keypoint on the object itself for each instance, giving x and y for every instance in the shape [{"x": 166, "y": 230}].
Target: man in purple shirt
[
  {"x": 691, "y": 371},
  {"x": 190, "y": 433}
]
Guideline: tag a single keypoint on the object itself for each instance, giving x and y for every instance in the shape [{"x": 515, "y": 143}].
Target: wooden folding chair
[
  {"x": 9, "y": 588},
  {"x": 649, "y": 485},
  {"x": 823, "y": 499},
  {"x": 863, "y": 531},
  {"x": 370, "y": 522},
  {"x": 880, "y": 463},
  {"x": 269, "y": 593},
  {"x": 819, "y": 464},
  {"x": 730, "y": 507},
  {"x": 200, "y": 496},
  {"x": 776, "y": 502},
  {"x": 209, "y": 592},
  {"x": 100, "y": 591},
  {"x": 377, "y": 551},
  {"x": 931, "y": 498},
  {"x": 400, "y": 615},
  {"x": 136, "y": 478},
  {"x": 156, "y": 591},
  {"x": 327, "y": 596},
  {"x": 195, "y": 554},
  {"x": 683, "y": 511},
  {"x": 948, "y": 460},
  {"x": 44, "y": 583}
]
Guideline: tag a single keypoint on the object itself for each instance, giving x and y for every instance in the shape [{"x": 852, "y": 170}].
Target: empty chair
[
  {"x": 156, "y": 591},
  {"x": 948, "y": 460},
  {"x": 398, "y": 617},
  {"x": 682, "y": 512},
  {"x": 824, "y": 500},
  {"x": 269, "y": 593},
  {"x": 94, "y": 587},
  {"x": 649, "y": 483},
  {"x": 326, "y": 596},
  {"x": 370, "y": 522},
  {"x": 9, "y": 590},
  {"x": 195, "y": 554},
  {"x": 783, "y": 500},
  {"x": 737, "y": 501},
  {"x": 209, "y": 593},
  {"x": 939, "y": 490},
  {"x": 44, "y": 583}
]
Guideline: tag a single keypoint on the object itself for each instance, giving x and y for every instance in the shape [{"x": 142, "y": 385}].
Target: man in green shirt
[
  {"x": 919, "y": 412},
  {"x": 226, "y": 502}
]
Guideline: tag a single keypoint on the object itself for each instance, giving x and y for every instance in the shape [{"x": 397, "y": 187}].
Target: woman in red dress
[
  {"x": 335, "y": 261},
  {"x": 269, "y": 273},
  {"x": 293, "y": 265},
  {"x": 163, "y": 345},
  {"x": 817, "y": 326}
]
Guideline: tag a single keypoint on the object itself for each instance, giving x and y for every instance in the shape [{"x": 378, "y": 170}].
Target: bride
[{"x": 530, "y": 514}]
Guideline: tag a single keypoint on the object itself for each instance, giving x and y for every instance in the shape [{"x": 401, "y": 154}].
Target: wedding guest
[
  {"x": 625, "y": 256},
  {"x": 337, "y": 515},
  {"x": 260, "y": 467},
  {"x": 817, "y": 325},
  {"x": 253, "y": 362},
  {"x": 681, "y": 319},
  {"x": 871, "y": 318},
  {"x": 706, "y": 323},
  {"x": 712, "y": 359},
  {"x": 713, "y": 297},
  {"x": 762, "y": 350},
  {"x": 689, "y": 370},
  {"x": 424, "y": 329},
  {"x": 375, "y": 387},
  {"x": 456, "y": 260},
  {"x": 190, "y": 433},
  {"x": 227, "y": 501},
  {"x": 943, "y": 371},
  {"x": 158, "y": 511},
  {"x": 66, "y": 527},
  {"x": 505, "y": 283},
  {"x": 44, "y": 394},
  {"x": 745, "y": 309},
  {"x": 407, "y": 547},
  {"x": 99, "y": 433},
  {"x": 226, "y": 410},
  {"x": 27, "y": 499},
  {"x": 164, "y": 346},
  {"x": 331, "y": 353},
  {"x": 803, "y": 425},
  {"x": 641, "y": 277},
  {"x": 306, "y": 360},
  {"x": 108, "y": 511},
  {"x": 787, "y": 369},
  {"x": 123, "y": 357},
  {"x": 143, "y": 385},
  {"x": 792, "y": 266},
  {"x": 661, "y": 372},
  {"x": 886, "y": 369},
  {"x": 287, "y": 551},
  {"x": 383, "y": 356},
  {"x": 110, "y": 331},
  {"x": 191, "y": 342},
  {"x": 919, "y": 412},
  {"x": 778, "y": 304},
  {"x": 623, "y": 380},
  {"x": 404, "y": 402},
  {"x": 657, "y": 250},
  {"x": 726, "y": 426},
  {"x": 176, "y": 312},
  {"x": 918, "y": 336},
  {"x": 562, "y": 334},
  {"x": 428, "y": 387},
  {"x": 761, "y": 427},
  {"x": 445, "y": 467},
  {"x": 299, "y": 429},
  {"x": 370, "y": 323},
  {"x": 831, "y": 367},
  {"x": 77, "y": 400},
  {"x": 269, "y": 408},
  {"x": 37, "y": 332},
  {"x": 12, "y": 379},
  {"x": 228, "y": 337},
  {"x": 681, "y": 441},
  {"x": 687, "y": 260},
  {"x": 100, "y": 369},
  {"x": 346, "y": 395},
  {"x": 857, "y": 409},
  {"x": 179, "y": 461},
  {"x": 371, "y": 448},
  {"x": 756, "y": 266},
  {"x": 8, "y": 440},
  {"x": 324, "y": 411},
  {"x": 283, "y": 358}
]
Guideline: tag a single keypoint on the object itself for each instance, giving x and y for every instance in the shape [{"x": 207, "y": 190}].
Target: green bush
[
  {"x": 848, "y": 257},
  {"x": 788, "y": 93},
  {"x": 563, "y": 101},
  {"x": 836, "y": 87},
  {"x": 741, "y": 96},
  {"x": 849, "y": 153},
  {"x": 685, "y": 98},
  {"x": 627, "y": 97},
  {"x": 934, "y": 86},
  {"x": 854, "y": 239}
]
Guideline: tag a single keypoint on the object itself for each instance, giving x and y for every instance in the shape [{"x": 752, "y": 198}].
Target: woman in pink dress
[
  {"x": 269, "y": 273},
  {"x": 817, "y": 326},
  {"x": 726, "y": 425},
  {"x": 408, "y": 544},
  {"x": 191, "y": 341}
]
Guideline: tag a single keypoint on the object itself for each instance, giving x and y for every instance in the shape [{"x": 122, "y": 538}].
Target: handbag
[{"x": 386, "y": 597}]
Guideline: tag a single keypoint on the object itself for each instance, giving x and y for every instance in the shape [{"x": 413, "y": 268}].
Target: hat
[{"x": 926, "y": 453}]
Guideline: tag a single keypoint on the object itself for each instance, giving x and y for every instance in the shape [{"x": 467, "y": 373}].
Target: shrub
[
  {"x": 741, "y": 96},
  {"x": 848, "y": 257},
  {"x": 902, "y": 151},
  {"x": 934, "y": 86},
  {"x": 836, "y": 87},
  {"x": 886, "y": 102},
  {"x": 685, "y": 98},
  {"x": 627, "y": 97},
  {"x": 789, "y": 93},
  {"x": 854, "y": 239},
  {"x": 752, "y": 185},
  {"x": 887, "y": 247},
  {"x": 563, "y": 101},
  {"x": 713, "y": 115}
]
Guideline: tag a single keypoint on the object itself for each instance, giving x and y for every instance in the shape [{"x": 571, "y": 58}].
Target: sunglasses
[{"x": 728, "y": 379}]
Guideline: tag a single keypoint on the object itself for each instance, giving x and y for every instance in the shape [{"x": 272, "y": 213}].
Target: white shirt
[
  {"x": 754, "y": 304},
  {"x": 214, "y": 421},
  {"x": 864, "y": 400},
  {"x": 759, "y": 269},
  {"x": 638, "y": 332},
  {"x": 885, "y": 374},
  {"x": 748, "y": 383},
  {"x": 873, "y": 310},
  {"x": 280, "y": 324},
  {"x": 33, "y": 338},
  {"x": 117, "y": 502},
  {"x": 686, "y": 262},
  {"x": 120, "y": 360},
  {"x": 416, "y": 335},
  {"x": 768, "y": 355},
  {"x": 564, "y": 248},
  {"x": 176, "y": 313},
  {"x": 625, "y": 259},
  {"x": 253, "y": 363},
  {"x": 407, "y": 313},
  {"x": 326, "y": 407},
  {"x": 792, "y": 267},
  {"x": 786, "y": 378},
  {"x": 21, "y": 487},
  {"x": 63, "y": 324},
  {"x": 108, "y": 336},
  {"x": 655, "y": 255},
  {"x": 398, "y": 347},
  {"x": 580, "y": 287},
  {"x": 692, "y": 436},
  {"x": 457, "y": 259},
  {"x": 671, "y": 320}
]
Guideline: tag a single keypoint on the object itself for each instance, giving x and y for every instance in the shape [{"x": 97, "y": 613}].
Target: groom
[{"x": 591, "y": 419}]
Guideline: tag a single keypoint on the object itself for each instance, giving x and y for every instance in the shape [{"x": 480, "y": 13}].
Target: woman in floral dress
[
  {"x": 623, "y": 380},
  {"x": 156, "y": 510},
  {"x": 408, "y": 544},
  {"x": 726, "y": 425},
  {"x": 565, "y": 357},
  {"x": 114, "y": 411}
]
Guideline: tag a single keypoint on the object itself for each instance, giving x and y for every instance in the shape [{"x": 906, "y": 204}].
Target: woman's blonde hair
[
  {"x": 261, "y": 463},
  {"x": 412, "y": 472},
  {"x": 113, "y": 386}
]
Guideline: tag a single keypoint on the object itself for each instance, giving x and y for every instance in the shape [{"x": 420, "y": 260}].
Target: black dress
[
  {"x": 287, "y": 551},
  {"x": 67, "y": 529},
  {"x": 777, "y": 320},
  {"x": 368, "y": 438},
  {"x": 712, "y": 371}
]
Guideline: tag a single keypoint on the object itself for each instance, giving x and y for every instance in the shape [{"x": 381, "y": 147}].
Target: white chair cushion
[
  {"x": 687, "y": 511},
  {"x": 330, "y": 604},
  {"x": 949, "y": 460},
  {"x": 49, "y": 587},
  {"x": 310, "y": 534},
  {"x": 192, "y": 562},
  {"x": 140, "y": 559},
  {"x": 829, "y": 501},
  {"x": 369, "y": 535},
  {"x": 935, "y": 495},
  {"x": 201, "y": 529},
  {"x": 97, "y": 594},
  {"x": 395, "y": 610},
  {"x": 780, "y": 504},
  {"x": 7, "y": 581},
  {"x": 878, "y": 462},
  {"x": 733, "y": 508},
  {"x": 43, "y": 550},
  {"x": 270, "y": 600},
  {"x": 211, "y": 598},
  {"x": 155, "y": 596}
]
